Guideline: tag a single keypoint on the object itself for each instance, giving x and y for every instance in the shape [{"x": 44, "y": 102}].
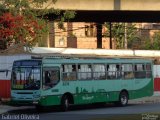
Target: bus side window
[
  {"x": 111, "y": 71},
  {"x": 84, "y": 72},
  {"x": 148, "y": 70},
  {"x": 127, "y": 71},
  {"x": 99, "y": 72},
  {"x": 140, "y": 71},
  {"x": 118, "y": 72},
  {"x": 69, "y": 72}
]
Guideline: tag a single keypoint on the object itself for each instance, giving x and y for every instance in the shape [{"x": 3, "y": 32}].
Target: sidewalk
[
  {"x": 157, "y": 93},
  {"x": 152, "y": 99},
  {"x": 6, "y": 108}
]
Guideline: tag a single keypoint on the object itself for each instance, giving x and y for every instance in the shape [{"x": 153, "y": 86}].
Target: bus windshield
[{"x": 26, "y": 78}]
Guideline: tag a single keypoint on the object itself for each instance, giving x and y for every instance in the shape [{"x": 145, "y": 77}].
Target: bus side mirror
[
  {"x": 7, "y": 73},
  {"x": 4, "y": 70}
]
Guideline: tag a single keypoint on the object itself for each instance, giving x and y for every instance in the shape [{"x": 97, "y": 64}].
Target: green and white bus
[{"x": 71, "y": 81}]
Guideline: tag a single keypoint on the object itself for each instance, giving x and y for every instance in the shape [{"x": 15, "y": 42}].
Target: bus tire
[
  {"x": 123, "y": 98},
  {"x": 65, "y": 103}
]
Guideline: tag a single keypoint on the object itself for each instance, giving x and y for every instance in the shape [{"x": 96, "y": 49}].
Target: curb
[
  {"x": 156, "y": 93},
  {"x": 5, "y": 99},
  {"x": 6, "y": 108},
  {"x": 152, "y": 99}
]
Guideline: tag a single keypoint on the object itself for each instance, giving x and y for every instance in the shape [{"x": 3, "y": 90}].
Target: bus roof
[{"x": 57, "y": 60}]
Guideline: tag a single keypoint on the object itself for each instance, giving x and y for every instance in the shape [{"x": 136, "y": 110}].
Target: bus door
[{"x": 51, "y": 77}]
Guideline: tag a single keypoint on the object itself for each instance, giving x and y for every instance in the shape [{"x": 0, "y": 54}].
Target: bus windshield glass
[{"x": 26, "y": 75}]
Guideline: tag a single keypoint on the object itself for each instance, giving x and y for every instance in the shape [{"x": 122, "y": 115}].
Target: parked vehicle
[{"x": 65, "y": 81}]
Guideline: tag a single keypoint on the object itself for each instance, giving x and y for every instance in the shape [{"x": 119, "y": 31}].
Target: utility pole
[{"x": 110, "y": 35}]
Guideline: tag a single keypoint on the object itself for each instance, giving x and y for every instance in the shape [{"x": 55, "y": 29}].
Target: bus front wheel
[
  {"x": 123, "y": 98},
  {"x": 65, "y": 103}
]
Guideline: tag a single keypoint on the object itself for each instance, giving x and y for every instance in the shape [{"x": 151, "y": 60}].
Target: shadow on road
[{"x": 56, "y": 109}]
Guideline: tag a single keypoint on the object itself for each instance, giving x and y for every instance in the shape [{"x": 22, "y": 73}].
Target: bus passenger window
[
  {"x": 127, "y": 71},
  {"x": 148, "y": 71},
  {"x": 99, "y": 72},
  {"x": 111, "y": 71},
  {"x": 69, "y": 72},
  {"x": 84, "y": 72},
  {"x": 140, "y": 71},
  {"x": 118, "y": 72}
]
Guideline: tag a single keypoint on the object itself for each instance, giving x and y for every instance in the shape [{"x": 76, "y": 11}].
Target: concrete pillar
[{"x": 99, "y": 35}]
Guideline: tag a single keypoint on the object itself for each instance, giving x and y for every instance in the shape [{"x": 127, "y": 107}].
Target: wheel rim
[
  {"x": 66, "y": 103},
  {"x": 124, "y": 99}
]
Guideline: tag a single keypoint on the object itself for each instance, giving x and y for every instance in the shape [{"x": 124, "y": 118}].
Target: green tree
[
  {"x": 118, "y": 33},
  {"x": 153, "y": 43},
  {"x": 32, "y": 11}
]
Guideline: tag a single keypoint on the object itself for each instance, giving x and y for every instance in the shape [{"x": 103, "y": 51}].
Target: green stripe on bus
[{"x": 50, "y": 100}]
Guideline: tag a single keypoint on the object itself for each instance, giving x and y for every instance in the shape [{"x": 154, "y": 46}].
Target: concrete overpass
[
  {"x": 101, "y": 11},
  {"x": 109, "y": 5},
  {"x": 113, "y": 10}
]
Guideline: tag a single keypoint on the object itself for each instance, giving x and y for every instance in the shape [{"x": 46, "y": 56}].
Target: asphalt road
[{"x": 85, "y": 112}]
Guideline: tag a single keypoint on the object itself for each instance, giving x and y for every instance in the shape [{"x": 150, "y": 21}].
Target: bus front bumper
[{"x": 23, "y": 102}]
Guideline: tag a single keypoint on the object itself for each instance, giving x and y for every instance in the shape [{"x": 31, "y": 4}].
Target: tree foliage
[
  {"x": 118, "y": 33},
  {"x": 18, "y": 29},
  {"x": 24, "y": 21},
  {"x": 153, "y": 43}
]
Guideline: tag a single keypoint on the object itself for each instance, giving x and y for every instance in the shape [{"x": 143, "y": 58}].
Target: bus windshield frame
[{"x": 26, "y": 75}]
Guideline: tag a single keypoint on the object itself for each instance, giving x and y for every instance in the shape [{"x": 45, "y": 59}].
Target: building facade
[
  {"x": 74, "y": 35},
  {"x": 84, "y": 35}
]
